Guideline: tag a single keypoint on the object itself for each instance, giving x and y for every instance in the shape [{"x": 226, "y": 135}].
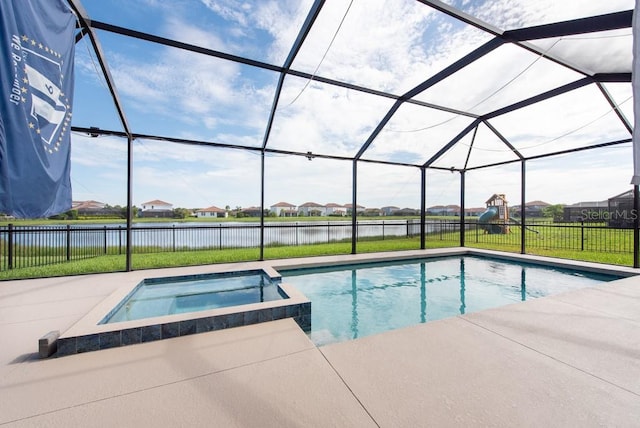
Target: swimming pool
[
  {"x": 359, "y": 300},
  {"x": 155, "y": 297}
]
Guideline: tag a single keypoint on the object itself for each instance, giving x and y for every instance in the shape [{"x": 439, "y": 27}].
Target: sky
[{"x": 388, "y": 46}]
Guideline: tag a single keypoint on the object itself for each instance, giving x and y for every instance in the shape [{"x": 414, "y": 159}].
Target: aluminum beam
[
  {"x": 540, "y": 97},
  {"x": 592, "y": 24},
  {"x": 615, "y": 107},
  {"x": 503, "y": 139},
  {"x": 451, "y": 143},
  {"x": 302, "y": 35},
  {"x": 96, "y": 131},
  {"x": 438, "y": 77}
]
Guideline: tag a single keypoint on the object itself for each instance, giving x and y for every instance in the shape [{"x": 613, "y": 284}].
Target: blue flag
[{"x": 37, "y": 41}]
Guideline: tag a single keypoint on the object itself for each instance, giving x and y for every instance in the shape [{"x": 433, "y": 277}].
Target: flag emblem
[{"x": 48, "y": 106}]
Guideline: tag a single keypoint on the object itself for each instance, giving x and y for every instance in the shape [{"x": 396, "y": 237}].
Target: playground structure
[{"x": 495, "y": 220}]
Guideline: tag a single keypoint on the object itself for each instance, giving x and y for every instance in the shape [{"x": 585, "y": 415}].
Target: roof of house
[
  {"x": 625, "y": 195},
  {"x": 311, "y": 205},
  {"x": 536, "y": 203},
  {"x": 283, "y": 204},
  {"x": 87, "y": 205},
  {"x": 496, "y": 196},
  {"x": 390, "y": 207},
  {"x": 350, "y": 205},
  {"x": 252, "y": 209},
  {"x": 333, "y": 205},
  {"x": 156, "y": 202},
  {"x": 590, "y": 204},
  {"x": 211, "y": 209},
  {"x": 475, "y": 210}
]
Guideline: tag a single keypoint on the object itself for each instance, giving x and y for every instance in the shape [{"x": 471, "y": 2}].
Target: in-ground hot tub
[{"x": 166, "y": 307}]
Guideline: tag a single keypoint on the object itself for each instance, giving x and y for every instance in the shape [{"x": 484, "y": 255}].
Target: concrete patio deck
[{"x": 566, "y": 360}]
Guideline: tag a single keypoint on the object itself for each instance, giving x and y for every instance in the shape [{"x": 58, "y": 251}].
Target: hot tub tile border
[{"x": 300, "y": 312}]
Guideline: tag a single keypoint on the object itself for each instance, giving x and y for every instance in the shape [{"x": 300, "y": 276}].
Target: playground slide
[
  {"x": 484, "y": 221},
  {"x": 526, "y": 227}
]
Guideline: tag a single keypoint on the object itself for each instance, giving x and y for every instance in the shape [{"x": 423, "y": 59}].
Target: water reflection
[
  {"x": 462, "y": 289},
  {"x": 423, "y": 281},
  {"x": 354, "y": 303},
  {"x": 423, "y": 292}
]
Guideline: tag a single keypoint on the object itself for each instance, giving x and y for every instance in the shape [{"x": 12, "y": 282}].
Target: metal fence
[
  {"x": 558, "y": 236},
  {"x": 26, "y": 246}
]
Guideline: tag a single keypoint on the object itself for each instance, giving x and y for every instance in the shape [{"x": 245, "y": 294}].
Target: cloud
[
  {"x": 274, "y": 23},
  {"x": 368, "y": 47},
  {"x": 103, "y": 153},
  {"x": 385, "y": 45},
  {"x": 235, "y": 12},
  {"x": 325, "y": 119},
  {"x": 228, "y": 178}
]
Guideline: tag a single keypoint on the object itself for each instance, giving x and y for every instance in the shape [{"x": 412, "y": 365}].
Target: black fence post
[
  {"x": 10, "y": 245},
  {"x": 582, "y": 236},
  {"x": 173, "y": 238},
  {"x": 407, "y": 228},
  {"x": 119, "y": 239},
  {"x": 462, "y": 219},
  {"x": 68, "y": 242},
  {"x": 328, "y": 232},
  {"x": 383, "y": 230},
  {"x": 636, "y": 227},
  {"x": 105, "y": 240}
]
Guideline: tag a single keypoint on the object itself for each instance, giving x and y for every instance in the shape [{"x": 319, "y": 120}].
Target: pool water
[
  {"x": 175, "y": 295},
  {"x": 360, "y": 300}
]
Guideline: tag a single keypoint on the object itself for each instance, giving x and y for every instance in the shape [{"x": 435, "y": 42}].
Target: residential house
[
  {"x": 406, "y": 212},
  {"x": 157, "y": 209},
  {"x": 437, "y": 210},
  {"x": 88, "y": 208},
  {"x": 284, "y": 209},
  {"x": 211, "y": 212},
  {"x": 335, "y": 209},
  {"x": 474, "y": 212},
  {"x": 251, "y": 212},
  {"x": 372, "y": 212},
  {"x": 453, "y": 210},
  {"x": 444, "y": 210},
  {"x": 389, "y": 210},
  {"x": 312, "y": 209},
  {"x": 591, "y": 211},
  {"x": 621, "y": 212},
  {"x": 349, "y": 207},
  {"x": 531, "y": 209}
]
